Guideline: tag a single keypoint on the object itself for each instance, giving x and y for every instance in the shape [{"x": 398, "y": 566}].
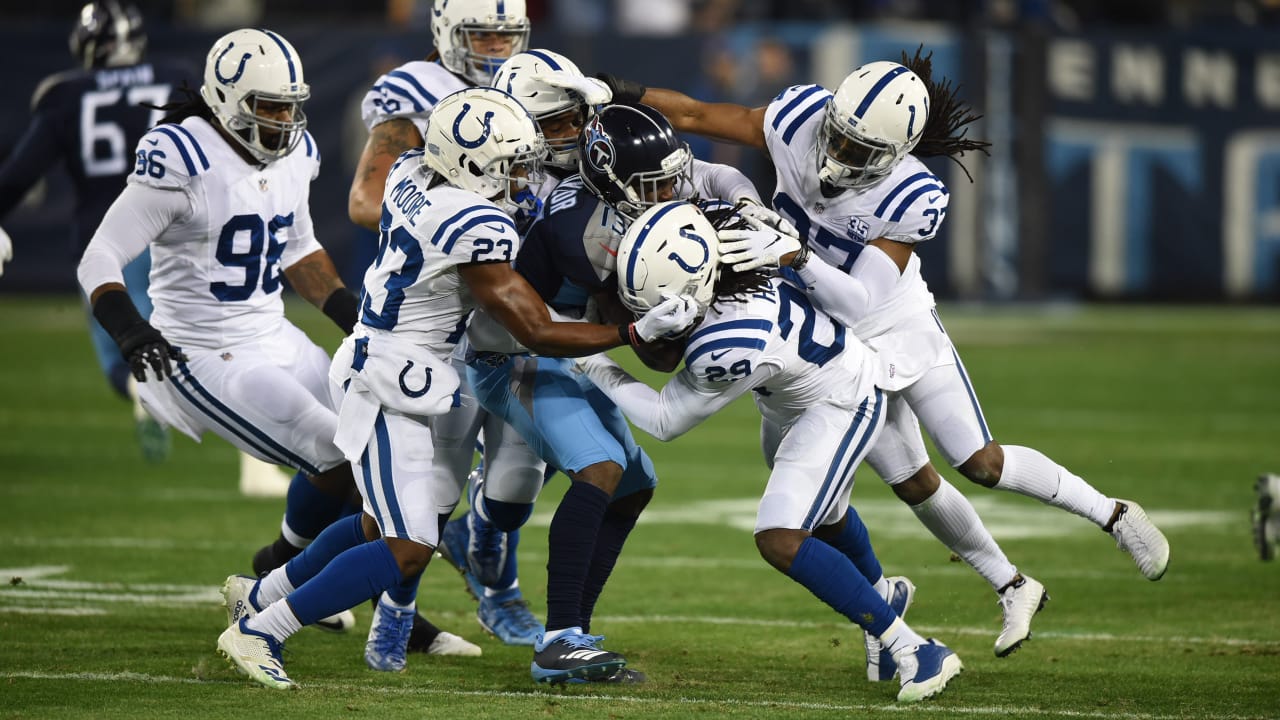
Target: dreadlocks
[
  {"x": 190, "y": 104},
  {"x": 734, "y": 286},
  {"x": 947, "y": 116}
]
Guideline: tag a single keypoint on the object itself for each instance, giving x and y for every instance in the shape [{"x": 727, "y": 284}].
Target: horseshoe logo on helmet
[
  {"x": 457, "y": 128},
  {"x": 687, "y": 233},
  {"x": 217, "y": 72}
]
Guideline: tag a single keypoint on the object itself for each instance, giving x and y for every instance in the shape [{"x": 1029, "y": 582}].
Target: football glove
[
  {"x": 668, "y": 318},
  {"x": 746, "y": 250},
  {"x": 6, "y": 249},
  {"x": 626, "y": 92},
  {"x": 140, "y": 344}
]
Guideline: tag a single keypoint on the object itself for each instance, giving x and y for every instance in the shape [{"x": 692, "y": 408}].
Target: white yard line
[{"x": 564, "y": 697}]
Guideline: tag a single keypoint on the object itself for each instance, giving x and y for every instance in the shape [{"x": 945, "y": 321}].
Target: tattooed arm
[
  {"x": 314, "y": 278},
  {"x": 385, "y": 144}
]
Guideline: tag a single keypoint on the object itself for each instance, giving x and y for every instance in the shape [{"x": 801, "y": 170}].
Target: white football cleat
[
  {"x": 260, "y": 479},
  {"x": 446, "y": 643},
  {"x": 236, "y": 592},
  {"x": 1019, "y": 602},
  {"x": 880, "y": 664},
  {"x": 255, "y": 654},
  {"x": 1137, "y": 535}
]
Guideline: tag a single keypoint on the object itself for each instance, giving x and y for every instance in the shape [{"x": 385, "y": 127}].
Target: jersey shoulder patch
[
  {"x": 727, "y": 345},
  {"x": 791, "y": 109},
  {"x": 168, "y": 156},
  {"x": 912, "y": 204}
]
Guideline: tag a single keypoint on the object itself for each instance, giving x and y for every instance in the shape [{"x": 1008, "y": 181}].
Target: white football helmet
[
  {"x": 671, "y": 249},
  {"x": 876, "y": 117},
  {"x": 253, "y": 79},
  {"x": 482, "y": 140},
  {"x": 459, "y": 25},
  {"x": 557, "y": 94}
]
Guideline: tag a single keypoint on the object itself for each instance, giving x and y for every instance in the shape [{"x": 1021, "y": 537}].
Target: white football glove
[
  {"x": 762, "y": 218},
  {"x": 744, "y": 250},
  {"x": 6, "y": 249},
  {"x": 593, "y": 91},
  {"x": 668, "y": 318}
]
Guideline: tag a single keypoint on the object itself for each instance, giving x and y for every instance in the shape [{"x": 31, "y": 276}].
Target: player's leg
[
  {"x": 945, "y": 401},
  {"x": 809, "y": 489}
]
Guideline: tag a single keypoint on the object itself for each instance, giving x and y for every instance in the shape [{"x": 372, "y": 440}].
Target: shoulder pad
[
  {"x": 310, "y": 147},
  {"x": 411, "y": 89},
  {"x": 477, "y": 230},
  {"x": 792, "y": 107},
  {"x": 726, "y": 349},
  {"x": 168, "y": 156},
  {"x": 912, "y": 206}
]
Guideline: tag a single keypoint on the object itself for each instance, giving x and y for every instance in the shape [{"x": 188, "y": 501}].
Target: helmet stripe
[
  {"x": 545, "y": 58},
  {"x": 644, "y": 233},
  {"x": 875, "y": 90},
  {"x": 293, "y": 73}
]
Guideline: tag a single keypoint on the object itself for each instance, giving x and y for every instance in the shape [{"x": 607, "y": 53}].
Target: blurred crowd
[{"x": 673, "y": 17}]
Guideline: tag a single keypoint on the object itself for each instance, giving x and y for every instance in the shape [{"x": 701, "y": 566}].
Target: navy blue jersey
[
  {"x": 570, "y": 252},
  {"x": 91, "y": 122}
]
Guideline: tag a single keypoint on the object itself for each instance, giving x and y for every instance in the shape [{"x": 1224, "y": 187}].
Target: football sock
[
  {"x": 404, "y": 593},
  {"x": 855, "y": 543},
  {"x": 899, "y": 636},
  {"x": 1028, "y": 472},
  {"x": 571, "y": 543},
  {"x": 506, "y": 516},
  {"x": 349, "y": 579},
  {"x": 334, "y": 540},
  {"x": 951, "y": 518},
  {"x": 832, "y": 577},
  {"x": 388, "y": 599},
  {"x": 614, "y": 529},
  {"x": 308, "y": 510},
  {"x": 278, "y": 620}
]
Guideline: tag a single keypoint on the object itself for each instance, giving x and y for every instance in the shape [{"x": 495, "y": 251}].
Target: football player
[
  {"x": 446, "y": 245},
  {"x": 813, "y": 381},
  {"x": 850, "y": 181},
  {"x": 628, "y": 158},
  {"x": 88, "y": 119}
]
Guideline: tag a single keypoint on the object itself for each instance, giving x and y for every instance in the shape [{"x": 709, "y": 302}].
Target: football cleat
[
  {"x": 446, "y": 643},
  {"x": 1266, "y": 516},
  {"x": 507, "y": 617},
  {"x": 1137, "y": 535},
  {"x": 880, "y": 664},
  {"x": 925, "y": 670},
  {"x": 573, "y": 655},
  {"x": 1019, "y": 602},
  {"x": 487, "y": 545},
  {"x": 388, "y": 637},
  {"x": 255, "y": 654},
  {"x": 153, "y": 438},
  {"x": 453, "y": 548},
  {"x": 237, "y": 593},
  {"x": 625, "y": 676}
]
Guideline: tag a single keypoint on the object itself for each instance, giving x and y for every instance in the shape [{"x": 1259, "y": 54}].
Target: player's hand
[
  {"x": 668, "y": 318},
  {"x": 143, "y": 346},
  {"x": 6, "y": 249},
  {"x": 760, "y": 217},
  {"x": 627, "y": 92},
  {"x": 593, "y": 90},
  {"x": 746, "y": 250}
]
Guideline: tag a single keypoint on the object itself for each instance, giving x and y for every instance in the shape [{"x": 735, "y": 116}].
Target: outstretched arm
[
  {"x": 316, "y": 279},
  {"x": 387, "y": 141},
  {"x": 722, "y": 121}
]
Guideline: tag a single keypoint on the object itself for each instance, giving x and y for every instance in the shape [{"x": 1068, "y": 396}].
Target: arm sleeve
[
  {"x": 136, "y": 218},
  {"x": 679, "y": 407},
  {"x": 723, "y": 182},
  {"x": 848, "y": 298},
  {"x": 36, "y": 152}
]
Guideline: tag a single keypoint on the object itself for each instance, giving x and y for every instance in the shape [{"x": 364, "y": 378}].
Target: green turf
[{"x": 1178, "y": 408}]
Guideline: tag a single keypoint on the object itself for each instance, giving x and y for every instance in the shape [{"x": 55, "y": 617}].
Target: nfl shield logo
[{"x": 262, "y": 184}]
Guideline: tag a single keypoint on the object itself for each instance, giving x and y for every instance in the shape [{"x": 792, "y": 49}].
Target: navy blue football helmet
[
  {"x": 108, "y": 34},
  {"x": 630, "y": 157}
]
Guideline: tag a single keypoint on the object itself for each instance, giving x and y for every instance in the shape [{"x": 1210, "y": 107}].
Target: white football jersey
[
  {"x": 815, "y": 359},
  {"x": 413, "y": 287},
  {"x": 216, "y": 272},
  {"x": 908, "y": 205},
  {"x": 410, "y": 91}
]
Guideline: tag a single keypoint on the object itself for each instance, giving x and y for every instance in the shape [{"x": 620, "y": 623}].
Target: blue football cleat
[
  {"x": 453, "y": 548},
  {"x": 506, "y": 615},
  {"x": 388, "y": 638},
  {"x": 925, "y": 670},
  {"x": 488, "y": 545},
  {"x": 880, "y": 664}
]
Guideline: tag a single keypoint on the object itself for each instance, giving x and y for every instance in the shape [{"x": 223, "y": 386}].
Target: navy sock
[
  {"x": 336, "y": 539},
  {"x": 307, "y": 510},
  {"x": 855, "y": 543},
  {"x": 571, "y": 543},
  {"x": 405, "y": 591},
  {"x": 348, "y": 580},
  {"x": 507, "y": 516},
  {"x": 613, "y": 534},
  {"x": 831, "y": 576}
]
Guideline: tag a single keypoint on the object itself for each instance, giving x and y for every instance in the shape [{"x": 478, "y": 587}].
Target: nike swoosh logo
[
  {"x": 497, "y": 228},
  {"x": 153, "y": 142},
  {"x": 933, "y": 198},
  {"x": 717, "y": 355},
  {"x": 608, "y": 249}
]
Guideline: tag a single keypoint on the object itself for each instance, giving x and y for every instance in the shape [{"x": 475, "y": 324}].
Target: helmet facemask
[
  {"x": 560, "y": 129},
  {"x": 479, "y": 67},
  {"x": 255, "y": 126},
  {"x": 518, "y": 174},
  {"x": 644, "y": 189},
  {"x": 847, "y": 159}
]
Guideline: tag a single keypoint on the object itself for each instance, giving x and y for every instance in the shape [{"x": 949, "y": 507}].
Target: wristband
[
  {"x": 116, "y": 313},
  {"x": 801, "y": 259},
  {"x": 342, "y": 306}
]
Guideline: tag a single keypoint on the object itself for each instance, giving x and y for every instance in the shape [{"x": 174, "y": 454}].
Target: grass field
[{"x": 112, "y": 610}]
